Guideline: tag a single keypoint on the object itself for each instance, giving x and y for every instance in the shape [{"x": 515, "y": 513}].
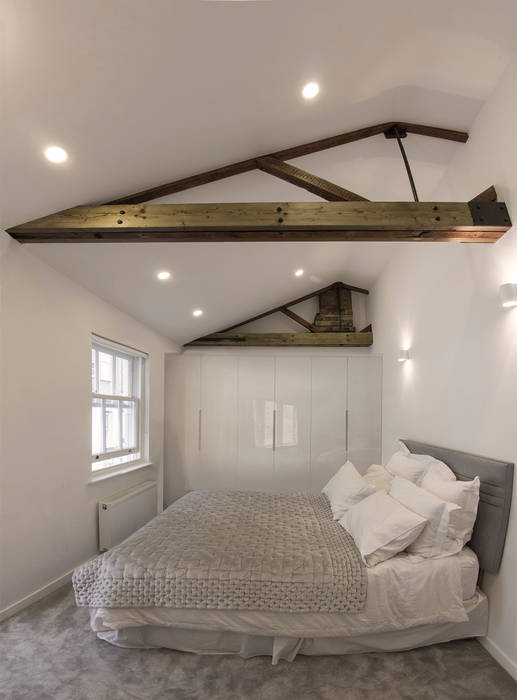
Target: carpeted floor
[{"x": 49, "y": 653}]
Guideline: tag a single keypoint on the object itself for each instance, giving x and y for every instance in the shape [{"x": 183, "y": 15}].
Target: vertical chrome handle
[
  {"x": 199, "y": 431},
  {"x": 346, "y": 431},
  {"x": 274, "y": 429}
]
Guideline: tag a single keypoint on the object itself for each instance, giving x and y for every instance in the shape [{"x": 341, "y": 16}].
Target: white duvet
[{"x": 402, "y": 593}]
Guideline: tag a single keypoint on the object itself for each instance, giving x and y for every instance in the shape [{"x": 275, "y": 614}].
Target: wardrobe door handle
[
  {"x": 346, "y": 432},
  {"x": 199, "y": 430},
  {"x": 274, "y": 429}
]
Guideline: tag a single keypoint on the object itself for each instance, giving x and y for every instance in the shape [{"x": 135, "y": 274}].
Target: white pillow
[
  {"x": 407, "y": 466},
  {"x": 346, "y": 488},
  {"x": 438, "y": 467},
  {"x": 465, "y": 494},
  {"x": 381, "y": 527},
  {"x": 435, "y": 510},
  {"x": 439, "y": 470},
  {"x": 379, "y": 476}
]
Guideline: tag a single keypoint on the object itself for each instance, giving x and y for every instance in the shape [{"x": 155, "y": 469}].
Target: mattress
[
  {"x": 469, "y": 572},
  {"x": 403, "y": 593}
]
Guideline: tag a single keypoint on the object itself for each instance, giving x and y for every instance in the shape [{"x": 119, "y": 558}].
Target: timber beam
[
  {"x": 304, "y": 149},
  {"x": 295, "y": 317},
  {"x": 283, "y": 308},
  {"x": 312, "y": 183},
  {"x": 363, "y": 339},
  {"x": 481, "y": 222}
]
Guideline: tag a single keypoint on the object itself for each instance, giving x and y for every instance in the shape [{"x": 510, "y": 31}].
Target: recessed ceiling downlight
[
  {"x": 310, "y": 90},
  {"x": 164, "y": 275},
  {"x": 56, "y": 154},
  {"x": 299, "y": 272},
  {"x": 197, "y": 312}
]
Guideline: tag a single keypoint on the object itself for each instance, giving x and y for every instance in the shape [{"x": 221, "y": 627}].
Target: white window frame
[{"x": 138, "y": 396}]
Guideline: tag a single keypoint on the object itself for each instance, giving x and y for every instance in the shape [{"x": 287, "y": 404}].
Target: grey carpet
[{"x": 49, "y": 653}]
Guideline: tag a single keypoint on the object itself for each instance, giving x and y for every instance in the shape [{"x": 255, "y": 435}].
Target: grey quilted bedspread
[{"x": 240, "y": 550}]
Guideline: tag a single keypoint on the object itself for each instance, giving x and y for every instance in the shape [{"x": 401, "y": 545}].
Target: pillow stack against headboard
[{"x": 413, "y": 504}]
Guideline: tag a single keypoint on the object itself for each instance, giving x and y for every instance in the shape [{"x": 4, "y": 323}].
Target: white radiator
[{"x": 124, "y": 512}]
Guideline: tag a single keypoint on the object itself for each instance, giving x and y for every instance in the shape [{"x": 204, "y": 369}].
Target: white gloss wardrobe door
[
  {"x": 292, "y": 423},
  {"x": 364, "y": 411},
  {"x": 182, "y": 396},
  {"x": 217, "y": 422},
  {"x": 256, "y": 404},
  {"x": 328, "y": 423}
]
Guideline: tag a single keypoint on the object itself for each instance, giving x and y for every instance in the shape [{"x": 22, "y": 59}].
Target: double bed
[{"x": 251, "y": 573}]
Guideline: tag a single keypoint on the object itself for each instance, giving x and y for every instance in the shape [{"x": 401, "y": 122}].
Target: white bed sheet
[
  {"x": 402, "y": 593},
  {"x": 200, "y": 641}
]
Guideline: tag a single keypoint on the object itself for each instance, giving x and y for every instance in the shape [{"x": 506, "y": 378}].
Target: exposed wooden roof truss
[
  {"x": 345, "y": 216},
  {"x": 332, "y": 326}
]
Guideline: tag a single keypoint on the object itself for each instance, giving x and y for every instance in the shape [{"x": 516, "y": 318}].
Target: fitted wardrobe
[{"x": 271, "y": 422}]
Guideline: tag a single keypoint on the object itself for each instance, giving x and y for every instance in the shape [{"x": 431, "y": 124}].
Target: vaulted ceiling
[{"x": 140, "y": 93}]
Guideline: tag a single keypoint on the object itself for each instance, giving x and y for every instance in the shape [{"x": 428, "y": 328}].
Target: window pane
[
  {"x": 122, "y": 376},
  {"x": 128, "y": 424},
  {"x": 112, "y": 425},
  {"x": 96, "y": 426},
  {"x": 94, "y": 371},
  {"x": 105, "y": 373}
]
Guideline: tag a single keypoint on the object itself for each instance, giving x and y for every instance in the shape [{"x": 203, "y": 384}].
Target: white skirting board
[
  {"x": 39, "y": 593},
  {"x": 499, "y": 655}
]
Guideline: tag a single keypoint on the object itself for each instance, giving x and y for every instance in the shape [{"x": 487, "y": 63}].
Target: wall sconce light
[
  {"x": 403, "y": 355},
  {"x": 508, "y": 294}
]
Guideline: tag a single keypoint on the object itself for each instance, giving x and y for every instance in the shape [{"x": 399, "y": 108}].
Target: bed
[{"x": 309, "y": 596}]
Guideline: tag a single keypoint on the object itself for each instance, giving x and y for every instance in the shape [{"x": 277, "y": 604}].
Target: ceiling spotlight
[
  {"x": 310, "y": 90},
  {"x": 197, "y": 312},
  {"x": 163, "y": 275},
  {"x": 56, "y": 154},
  {"x": 299, "y": 272}
]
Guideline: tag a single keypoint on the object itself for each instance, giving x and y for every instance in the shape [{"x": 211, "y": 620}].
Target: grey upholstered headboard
[{"x": 495, "y": 498}]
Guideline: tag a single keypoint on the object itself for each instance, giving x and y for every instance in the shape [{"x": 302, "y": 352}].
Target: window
[{"x": 118, "y": 405}]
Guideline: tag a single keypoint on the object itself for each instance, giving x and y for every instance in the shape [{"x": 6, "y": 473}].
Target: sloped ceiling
[{"x": 144, "y": 92}]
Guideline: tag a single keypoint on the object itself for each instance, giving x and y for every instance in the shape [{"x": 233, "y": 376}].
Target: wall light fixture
[
  {"x": 403, "y": 355},
  {"x": 508, "y": 293}
]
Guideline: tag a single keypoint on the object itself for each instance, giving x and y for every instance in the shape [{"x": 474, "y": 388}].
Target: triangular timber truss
[
  {"x": 345, "y": 216},
  {"x": 333, "y": 325}
]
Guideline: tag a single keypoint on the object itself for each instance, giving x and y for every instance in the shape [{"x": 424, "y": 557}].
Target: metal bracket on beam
[
  {"x": 395, "y": 131},
  {"x": 489, "y": 214}
]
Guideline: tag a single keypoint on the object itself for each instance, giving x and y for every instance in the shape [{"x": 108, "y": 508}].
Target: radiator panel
[{"x": 124, "y": 512}]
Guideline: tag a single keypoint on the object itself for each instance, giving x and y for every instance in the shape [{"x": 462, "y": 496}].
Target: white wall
[
  {"x": 441, "y": 301},
  {"x": 48, "y": 520}
]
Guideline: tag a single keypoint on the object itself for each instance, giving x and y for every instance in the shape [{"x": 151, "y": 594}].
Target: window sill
[{"x": 118, "y": 471}]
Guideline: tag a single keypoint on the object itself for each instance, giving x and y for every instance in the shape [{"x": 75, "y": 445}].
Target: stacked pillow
[
  {"x": 346, "y": 488},
  {"x": 381, "y": 527},
  {"x": 436, "y": 512},
  {"x": 414, "y": 503},
  {"x": 379, "y": 477},
  {"x": 409, "y": 466},
  {"x": 465, "y": 494}
]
